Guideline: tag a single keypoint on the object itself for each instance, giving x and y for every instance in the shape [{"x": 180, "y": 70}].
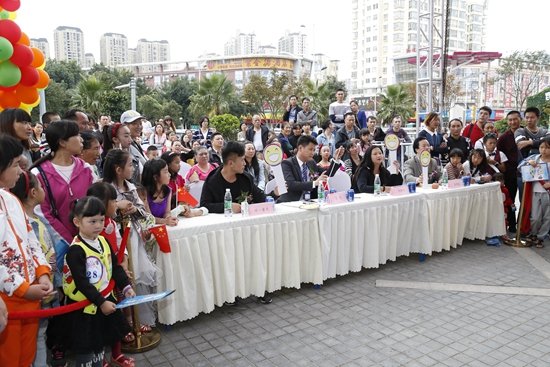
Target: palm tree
[
  {"x": 213, "y": 97},
  {"x": 396, "y": 101},
  {"x": 87, "y": 95}
]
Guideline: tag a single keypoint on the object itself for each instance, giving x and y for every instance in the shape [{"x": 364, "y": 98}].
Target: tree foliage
[
  {"x": 64, "y": 72},
  {"x": 227, "y": 125},
  {"x": 539, "y": 100},
  {"x": 180, "y": 91},
  {"x": 213, "y": 96},
  {"x": 396, "y": 101},
  {"x": 322, "y": 95},
  {"x": 521, "y": 74},
  {"x": 88, "y": 95}
]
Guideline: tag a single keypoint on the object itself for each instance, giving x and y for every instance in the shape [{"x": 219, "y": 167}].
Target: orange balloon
[
  {"x": 26, "y": 95},
  {"x": 24, "y": 39},
  {"x": 43, "y": 79},
  {"x": 38, "y": 57},
  {"x": 9, "y": 100}
]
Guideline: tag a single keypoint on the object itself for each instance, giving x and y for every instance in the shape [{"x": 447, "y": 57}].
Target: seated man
[
  {"x": 413, "y": 169},
  {"x": 230, "y": 176},
  {"x": 302, "y": 173}
]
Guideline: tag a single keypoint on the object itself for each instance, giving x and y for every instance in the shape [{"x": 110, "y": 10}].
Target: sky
[{"x": 196, "y": 27}]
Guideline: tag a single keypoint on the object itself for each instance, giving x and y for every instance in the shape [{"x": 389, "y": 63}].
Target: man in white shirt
[
  {"x": 338, "y": 109},
  {"x": 257, "y": 133}
]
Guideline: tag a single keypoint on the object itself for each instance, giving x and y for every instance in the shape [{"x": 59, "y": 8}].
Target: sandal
[
  {"x": 129, "y": 338},
  {"x": 145, "y": 329},
  {"x": 538, "y": 243},
  {"x": 122, "y": 361}
]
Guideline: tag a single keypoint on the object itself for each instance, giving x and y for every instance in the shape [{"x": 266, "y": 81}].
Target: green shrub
[{"x": 228, "y": 125}]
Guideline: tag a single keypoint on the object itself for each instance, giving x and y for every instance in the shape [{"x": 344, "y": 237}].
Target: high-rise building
[
  {"x": 293, "y": 43},
  {"x": 386, "y": 29},
  {"x": 89, "y": 60},
  {"x": 113, "y": 49},
  {"x": 152, "y": 51},
  {"x": 43, "y": 45},
  {"x": 69, "y": 44},
  {"x": 240, "y": 45},
  {"x": 132, "y": 56}
]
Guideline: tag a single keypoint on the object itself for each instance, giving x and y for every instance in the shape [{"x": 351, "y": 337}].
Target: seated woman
[
  {"x": 253, "y": 166},
  {"x": 478, "y": 167},
  {"x": 202, "y": 169},
  {"x": 412, "y": 169},
  {"x": 371, "y": 165},
  {"x": 353, "y": 160}
]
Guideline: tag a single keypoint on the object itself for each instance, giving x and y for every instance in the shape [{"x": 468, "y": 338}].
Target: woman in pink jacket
[{"x": 64, "y": 177}]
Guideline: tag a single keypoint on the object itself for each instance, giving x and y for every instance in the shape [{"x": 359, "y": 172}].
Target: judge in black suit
[{"x": 302, "y": 173}]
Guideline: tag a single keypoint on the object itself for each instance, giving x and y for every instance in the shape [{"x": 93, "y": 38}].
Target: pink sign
[
  {"x": 399, "y": 190},
  {"x": 455, "y": 184},
  {"x": 337, "y": 198},
  {"x": 260, "y": 209}
]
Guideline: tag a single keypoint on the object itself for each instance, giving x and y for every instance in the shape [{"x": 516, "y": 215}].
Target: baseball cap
[{"x": 130, "y": 116}]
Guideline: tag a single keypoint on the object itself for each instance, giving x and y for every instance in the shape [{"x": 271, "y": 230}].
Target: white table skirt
[
  {"x": 370, "y": 231},
  {"x": 474, "y": 212},
  {"x": 214, "y": 259}
]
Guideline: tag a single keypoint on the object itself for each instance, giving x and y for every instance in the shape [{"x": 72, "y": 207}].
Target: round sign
[
  {"x": 425, "y": 158},
  {"x": 391, "y": 141},
  {"x": 273, "y": 154},
  {"x": 95, "y": 271}
]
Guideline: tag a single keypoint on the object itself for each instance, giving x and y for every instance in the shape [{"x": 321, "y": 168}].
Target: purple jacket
[{"x": 64, "y": 195}]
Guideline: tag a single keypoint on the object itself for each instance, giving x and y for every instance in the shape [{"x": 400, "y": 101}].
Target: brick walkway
[{"x": 351, "y": 322}]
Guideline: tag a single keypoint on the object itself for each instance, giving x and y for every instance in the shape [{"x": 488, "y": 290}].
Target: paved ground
[{"x": 351, "y": 322}]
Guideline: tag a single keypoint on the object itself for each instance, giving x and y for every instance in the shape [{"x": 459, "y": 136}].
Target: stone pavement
[{"x": 351, "y": 322}]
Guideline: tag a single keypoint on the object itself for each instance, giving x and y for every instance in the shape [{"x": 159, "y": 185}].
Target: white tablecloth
[
  {"x": 214, "y": 259},
  {"x": 372, "y": 230}
]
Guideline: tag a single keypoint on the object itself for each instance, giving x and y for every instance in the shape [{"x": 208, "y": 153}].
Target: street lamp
[{"x": 132, "y": 86}]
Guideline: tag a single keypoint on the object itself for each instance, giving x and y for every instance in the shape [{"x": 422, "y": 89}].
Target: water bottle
[
  {"x": 244, "y": 208},
  {"x": 227, "y": 201},
  {"x": 377, "y": 184},
  {"x": 444, "y": 178},
  {"x": 320, "y": 193}
]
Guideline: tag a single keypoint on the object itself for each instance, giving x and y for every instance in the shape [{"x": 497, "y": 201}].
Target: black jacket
[
  {"x": 293, "y": 178},
  {"x": 265, "y": 133},
  {"x": 287, "y": 114},
  {"x": 341, "y": 136},
  {"x": 364, "y": 179}
]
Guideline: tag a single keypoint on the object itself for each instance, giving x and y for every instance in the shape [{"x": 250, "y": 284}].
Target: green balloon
[
  {"x": 4, "y": 14},
  {"x": 6, "y": 49},
  {"x": 10, "y": 74}
]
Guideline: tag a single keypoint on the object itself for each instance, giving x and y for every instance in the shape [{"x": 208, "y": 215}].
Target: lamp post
[{"x": 132, "y": 86}]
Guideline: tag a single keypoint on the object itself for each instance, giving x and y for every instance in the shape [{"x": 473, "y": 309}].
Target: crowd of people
[{"x": 71, "y": 185}]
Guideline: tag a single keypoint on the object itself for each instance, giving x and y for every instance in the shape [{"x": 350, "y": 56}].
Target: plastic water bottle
[
  {"x": 377, "y": 184},
  {"x": 444, "y": 178},
  {"x": 244, "y": 208},
  {"x": 320, "y": 194},
  {"x": 227, "y": 201}
]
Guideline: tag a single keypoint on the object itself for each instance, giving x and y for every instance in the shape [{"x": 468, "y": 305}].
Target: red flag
[
  {"x": 185, "y": 197},
  {"x": 162, "y": 237},
  {"x": 124, "y": 242}
]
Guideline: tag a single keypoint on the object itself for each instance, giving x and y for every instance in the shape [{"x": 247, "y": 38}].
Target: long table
[{"x": 215, "y": 259}]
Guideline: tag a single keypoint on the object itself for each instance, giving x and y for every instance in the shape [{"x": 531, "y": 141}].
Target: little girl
[
  {"x": 454, "y": 167},
  {"x": 173, "y": 161},
  {"x": 89, "y": 267},
  {"x": 117, "y": 136},
  {"x": 117, "y": 170},
  {"x": 155, "y": 179},
  {"x": 107, "y": 194},
  {"x": 24, "y": 271},
  {"x": 477, "y": 167}
]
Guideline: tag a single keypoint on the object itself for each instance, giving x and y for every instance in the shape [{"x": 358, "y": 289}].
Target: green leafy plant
[{"x": 228, "y": 125}]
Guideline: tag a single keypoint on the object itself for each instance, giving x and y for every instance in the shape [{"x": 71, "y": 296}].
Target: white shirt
[
  {"x": 258, "y": 141},
  {"x": 64, "y": 171}
]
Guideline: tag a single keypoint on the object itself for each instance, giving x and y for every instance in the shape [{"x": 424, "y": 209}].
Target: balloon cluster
[{"x": 22, "y": 72}]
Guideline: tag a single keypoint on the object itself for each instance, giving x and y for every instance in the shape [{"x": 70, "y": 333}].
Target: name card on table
[
  {"x": 399, "y": 190},
  {"x": 337, "y": 198},
  {"x": 455, "y": 184},
  {"x": 260, "y": 209}
]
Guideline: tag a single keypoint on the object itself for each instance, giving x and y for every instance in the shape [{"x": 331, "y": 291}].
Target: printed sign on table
[
  {"x": 399, "y": 190},
  {"x": 260, "y": 209},
  {"x": 337, "y": 198},
  {"x": 455, "y": 184}
]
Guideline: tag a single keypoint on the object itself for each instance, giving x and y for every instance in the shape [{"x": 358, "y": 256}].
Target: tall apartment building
[
  {"x": 240, "y": 45},
  {"x": 152, "y": 51},
  {"x": 113, "y": 49},
  {"x": 69, "y": 44},
  {"x": 43, "y": 45},
  {"x": 132, "y": 56},
  {"x": 386, "y": 29},
  {"x": 293, "y": 43}
]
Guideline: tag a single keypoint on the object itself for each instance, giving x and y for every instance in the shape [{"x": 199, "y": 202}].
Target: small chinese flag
[
  {"x": 185, "y": 197},
  {"x": 162, "y": 238}
]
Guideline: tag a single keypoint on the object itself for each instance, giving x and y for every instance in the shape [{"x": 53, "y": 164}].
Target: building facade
[
  {"x": 43, "y": 45},
  {"x": 385, "y": 29},
  {"x": 240, "y": 45},
  {"x": 293, "y": 43},
  {"x": 113, "y": 49},
  {"x": 152, "y": 51},
  {"x": 69, "y": 44},
  {"x": 89, "y": 60}
]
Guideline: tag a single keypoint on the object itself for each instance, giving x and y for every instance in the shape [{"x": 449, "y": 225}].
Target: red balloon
[
  {"x": 29, "y": 76},
  {"x": 10, "y": 5},
  {"x": 9, "y": 100},
  {"x": 10, "y": 30},
  {"x": 22, "y": 55}
]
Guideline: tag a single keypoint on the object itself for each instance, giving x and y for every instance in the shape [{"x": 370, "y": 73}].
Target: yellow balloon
[
  {"x": 12, "y": 16},
  {"x": 25, "y": 107},
  {"x": 41, "y": 67}
]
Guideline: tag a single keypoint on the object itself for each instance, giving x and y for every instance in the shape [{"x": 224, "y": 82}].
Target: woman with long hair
[
  {"x": 204, "y": 134},
  {"x": 158, "y": 137},
  {"x": 353, "y": 160},
  {"x": 253, "y": 165},
  {"x": 372, "y": 165},
  {"x": 17, "y": 123}
]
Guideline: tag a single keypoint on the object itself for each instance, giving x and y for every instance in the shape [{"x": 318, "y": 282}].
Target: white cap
[{"x": 130, "y": 116}]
